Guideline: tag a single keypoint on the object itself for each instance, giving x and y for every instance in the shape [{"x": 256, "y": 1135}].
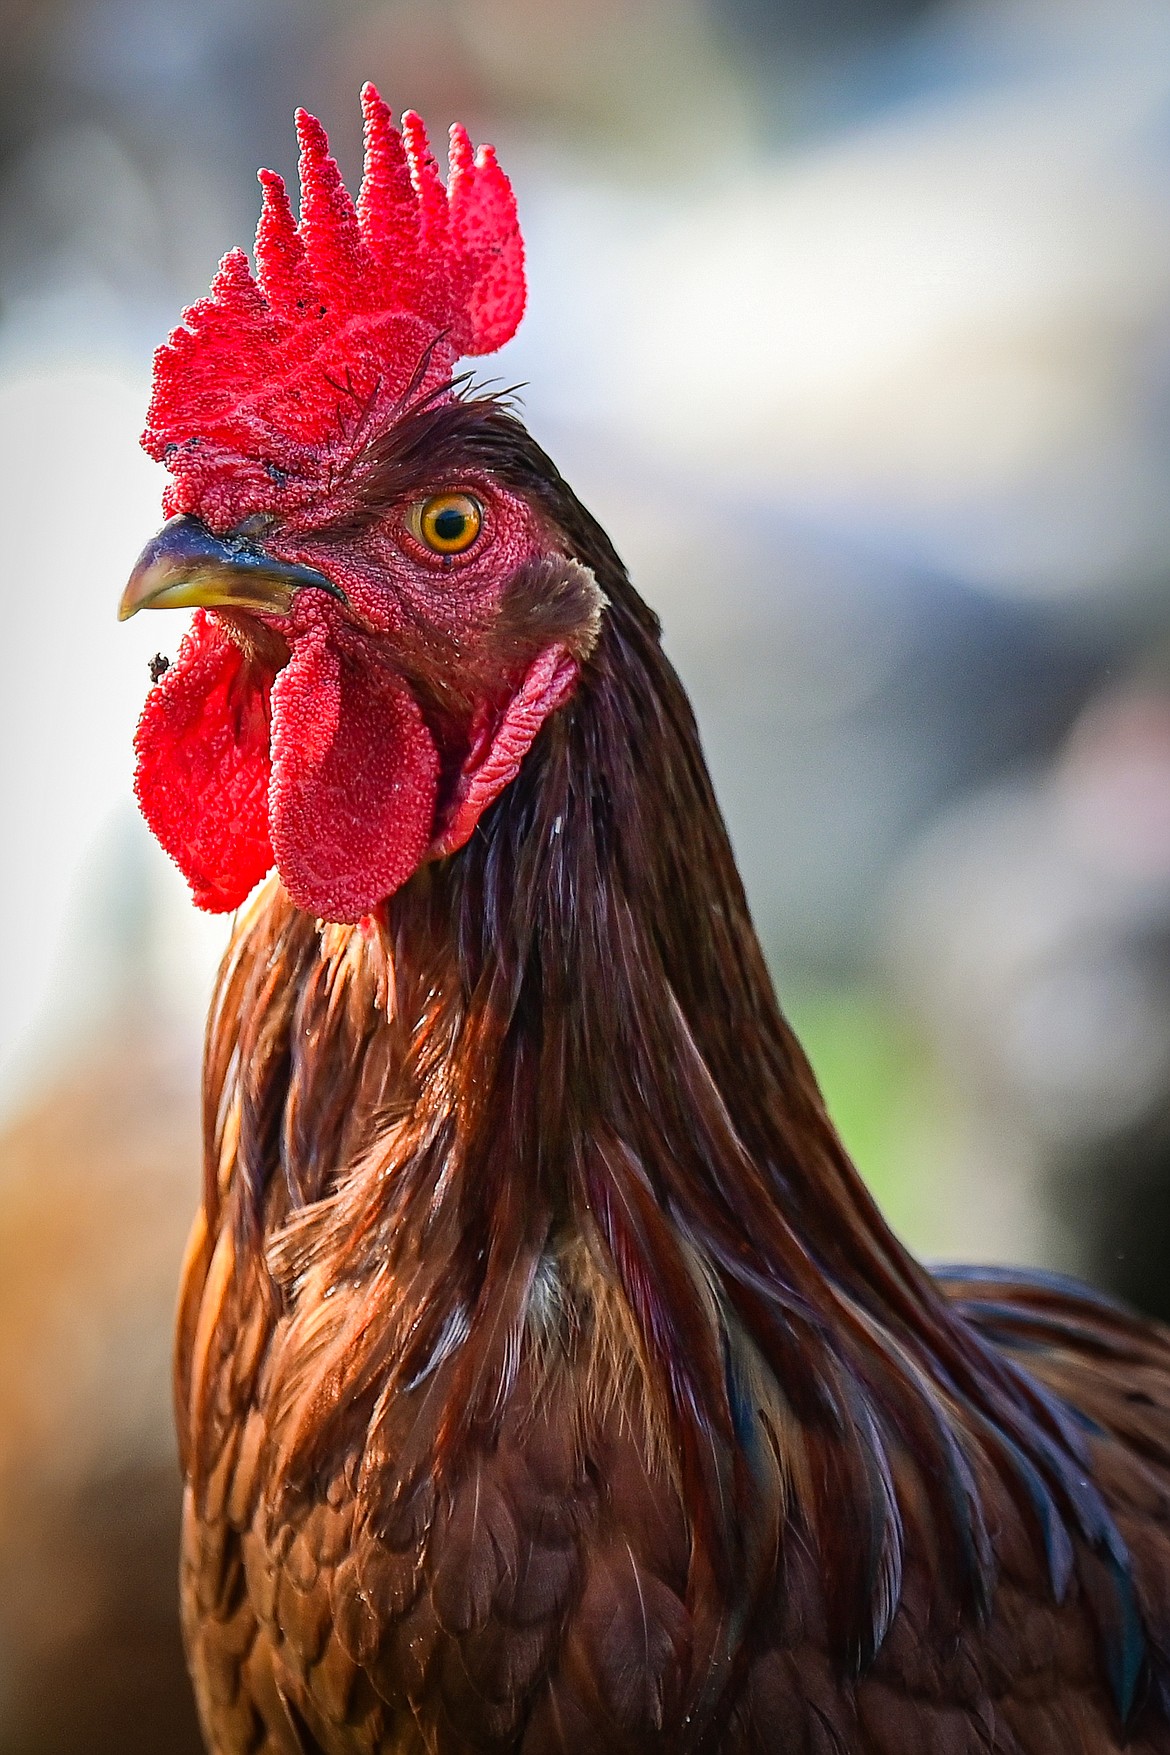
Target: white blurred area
[
  {"x": 932, "y": 335},
  {"x": 860, "y": 349},
  {"x": 80, "y": 872}
]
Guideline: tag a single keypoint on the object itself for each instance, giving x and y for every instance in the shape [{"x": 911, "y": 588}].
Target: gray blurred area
[{"x": 851, "y": 321}]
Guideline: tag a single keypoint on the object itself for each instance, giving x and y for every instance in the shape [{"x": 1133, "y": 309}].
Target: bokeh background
[{"x": 851, "y": 321}]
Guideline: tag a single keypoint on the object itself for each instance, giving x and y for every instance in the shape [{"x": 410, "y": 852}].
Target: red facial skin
[
  {"x": 395, "y": 720},
  {"x": 348, "y": 744}
]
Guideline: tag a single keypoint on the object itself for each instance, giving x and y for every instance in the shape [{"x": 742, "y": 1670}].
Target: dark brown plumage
[{"x": 546, "y": 1378}]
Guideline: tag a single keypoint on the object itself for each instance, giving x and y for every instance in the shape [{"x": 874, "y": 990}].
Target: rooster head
[{"x": 383, "y": 619}]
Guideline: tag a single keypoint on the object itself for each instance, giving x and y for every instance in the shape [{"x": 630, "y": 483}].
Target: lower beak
[{"x": 186, "y": 567}]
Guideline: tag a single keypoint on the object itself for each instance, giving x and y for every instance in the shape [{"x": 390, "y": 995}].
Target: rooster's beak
[{"x": 186, "y": 567}]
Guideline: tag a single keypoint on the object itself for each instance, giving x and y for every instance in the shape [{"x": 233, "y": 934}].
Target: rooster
[{"x": 546, "y": 1378}]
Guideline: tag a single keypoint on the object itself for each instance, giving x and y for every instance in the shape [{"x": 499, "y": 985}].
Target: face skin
[
  {"x": 435, "y": 612},
  {"x": 394, "y": 580},
  {"x": 352, "y": 698}
]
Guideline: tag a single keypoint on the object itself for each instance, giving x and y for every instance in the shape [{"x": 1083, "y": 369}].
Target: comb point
[{"x": 280, "y": 254}]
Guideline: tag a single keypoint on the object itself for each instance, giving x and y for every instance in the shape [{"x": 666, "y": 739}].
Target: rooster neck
[{"x": 562, "y": 1044}]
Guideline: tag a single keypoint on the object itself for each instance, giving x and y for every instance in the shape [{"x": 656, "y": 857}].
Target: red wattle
[
  {"x": 329, "y": 771},
  {"x": 355, "y": 775},
  {"x": 550, "y": 681},
  {"x": 203, "y": 767}
]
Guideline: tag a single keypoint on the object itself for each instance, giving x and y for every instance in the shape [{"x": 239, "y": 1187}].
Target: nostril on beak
[{"x": 254, "y": 528}]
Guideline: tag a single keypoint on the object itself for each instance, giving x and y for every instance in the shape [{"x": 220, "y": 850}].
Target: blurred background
[{"x": 850, "y": 319}]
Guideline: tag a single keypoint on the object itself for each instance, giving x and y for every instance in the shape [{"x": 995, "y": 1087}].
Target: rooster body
[{"x": 546, "y": 1379}]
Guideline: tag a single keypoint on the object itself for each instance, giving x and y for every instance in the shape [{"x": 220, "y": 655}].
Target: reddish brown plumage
[{"x": 546, "y": 1378}]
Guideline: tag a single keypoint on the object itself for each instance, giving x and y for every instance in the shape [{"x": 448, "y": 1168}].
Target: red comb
[{"x": 345, "y": 305}]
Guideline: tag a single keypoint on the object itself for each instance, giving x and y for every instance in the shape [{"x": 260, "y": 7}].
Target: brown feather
[{"x": 547, "y": 1379}]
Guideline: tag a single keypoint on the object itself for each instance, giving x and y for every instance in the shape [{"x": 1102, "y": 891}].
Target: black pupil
[{"x": 450, "y": 524}]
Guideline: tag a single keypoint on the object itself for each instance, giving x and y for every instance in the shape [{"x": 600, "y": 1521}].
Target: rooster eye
[{"x": 447, "y": 523}]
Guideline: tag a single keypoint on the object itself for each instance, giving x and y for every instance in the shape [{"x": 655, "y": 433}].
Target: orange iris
[{"x": 447, "y": 523}]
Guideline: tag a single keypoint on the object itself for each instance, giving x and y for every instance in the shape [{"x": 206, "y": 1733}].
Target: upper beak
[{"x": 186, "y": 567}]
